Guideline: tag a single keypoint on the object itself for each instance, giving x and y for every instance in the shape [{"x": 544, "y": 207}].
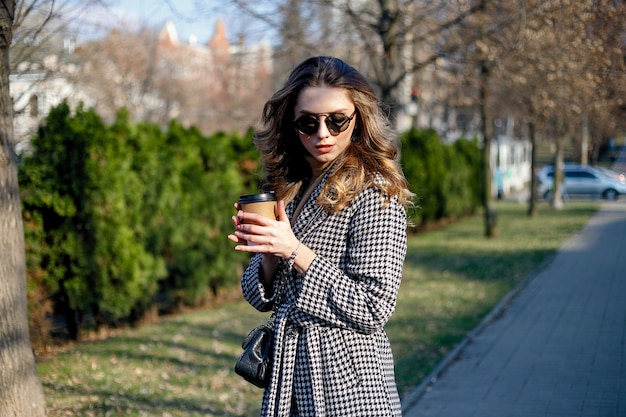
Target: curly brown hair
[{"x": 369, "y": 161}]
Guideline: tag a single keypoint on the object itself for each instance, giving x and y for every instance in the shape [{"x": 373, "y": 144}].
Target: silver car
[{"x": 580, "y": 180}]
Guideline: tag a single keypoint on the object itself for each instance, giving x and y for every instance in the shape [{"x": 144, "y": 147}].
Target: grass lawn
[{"x": 182, "y": 366}]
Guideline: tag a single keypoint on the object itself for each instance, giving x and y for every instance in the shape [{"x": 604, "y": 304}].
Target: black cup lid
[{"x": 257, "y": 198}]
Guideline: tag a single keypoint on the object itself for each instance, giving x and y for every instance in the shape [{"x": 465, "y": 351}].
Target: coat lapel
[{"x": 311, "y": 214}]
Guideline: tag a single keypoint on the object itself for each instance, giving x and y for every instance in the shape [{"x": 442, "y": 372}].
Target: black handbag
[{"x": 255, "y": 363}]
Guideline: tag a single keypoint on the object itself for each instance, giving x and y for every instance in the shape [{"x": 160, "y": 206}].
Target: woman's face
[{"x": 324, "y": 107}]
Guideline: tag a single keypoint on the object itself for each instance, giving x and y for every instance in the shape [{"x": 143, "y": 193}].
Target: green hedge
[
  {"x": 445, "y": 178},
  {"x": 118, "y": 217},
  {"x": 125, "y": 219}
]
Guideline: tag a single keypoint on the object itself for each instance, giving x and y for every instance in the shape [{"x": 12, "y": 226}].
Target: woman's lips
[{"x": 324, "y": 148}]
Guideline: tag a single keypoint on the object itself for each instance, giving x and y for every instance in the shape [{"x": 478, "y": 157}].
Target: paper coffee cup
[{"x": 263, "y": 204}]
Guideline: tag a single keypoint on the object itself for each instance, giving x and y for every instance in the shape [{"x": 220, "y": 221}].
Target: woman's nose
[{"x": 322, "y": 130}]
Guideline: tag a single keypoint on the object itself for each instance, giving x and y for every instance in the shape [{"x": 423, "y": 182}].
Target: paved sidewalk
[{"x": 558, "y": 347}]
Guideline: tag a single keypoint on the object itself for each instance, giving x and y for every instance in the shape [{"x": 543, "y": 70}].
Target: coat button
[{"x": 292, "y": 331}]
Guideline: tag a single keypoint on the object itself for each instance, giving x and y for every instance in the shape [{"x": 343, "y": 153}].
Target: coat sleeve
[
  {"x": 251, "y": 287},
  {"x": 360, "y": 294}
]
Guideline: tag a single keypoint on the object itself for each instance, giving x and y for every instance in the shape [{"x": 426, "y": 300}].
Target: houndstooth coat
[{"x": 332, "y": 356}]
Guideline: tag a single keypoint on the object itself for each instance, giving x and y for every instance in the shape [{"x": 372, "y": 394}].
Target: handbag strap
[{"x": 279, "y": 295}]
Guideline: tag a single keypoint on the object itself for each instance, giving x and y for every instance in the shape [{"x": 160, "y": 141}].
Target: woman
[{"x": 339, "y": 241}]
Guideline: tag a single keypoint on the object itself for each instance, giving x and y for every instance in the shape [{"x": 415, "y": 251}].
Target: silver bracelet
[{"x": 292, "y": 258}]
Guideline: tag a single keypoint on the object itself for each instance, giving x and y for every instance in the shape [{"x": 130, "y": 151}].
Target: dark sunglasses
[{"x": 335, "y": 122}]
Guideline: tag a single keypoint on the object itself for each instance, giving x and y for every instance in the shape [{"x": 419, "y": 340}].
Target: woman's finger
[{"x": 282, "y": 215}]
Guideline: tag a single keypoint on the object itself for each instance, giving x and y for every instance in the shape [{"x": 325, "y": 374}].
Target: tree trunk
[
  {"x": 584, "y": 143},
  {"x": 557, "y": 195},
  {"x": 21, "y": 393},
  {"x": 532, "y": 201},
  {"x": 490, "y": 215}
]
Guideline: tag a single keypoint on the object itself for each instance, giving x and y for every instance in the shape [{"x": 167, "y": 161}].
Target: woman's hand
[
  {"x": 273, "y": 238},
  {"x": 255, "y": 233}
]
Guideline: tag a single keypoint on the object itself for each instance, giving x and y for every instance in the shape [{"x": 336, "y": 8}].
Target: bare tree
[
  {"x": 50, "y": 27},
  {"x": 555, "y": 65},
  {"x": 478, "y": 47},
  {"x": 218, "y": 86},
  {"x": 389, "y": 41},
  {"x": 21, "y": 393},
  {"x": 120, "y": 71},
  {"x": 562, "y": 72}
]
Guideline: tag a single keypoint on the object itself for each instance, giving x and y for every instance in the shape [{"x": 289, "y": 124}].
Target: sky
[{"x": 191, "y": 18}]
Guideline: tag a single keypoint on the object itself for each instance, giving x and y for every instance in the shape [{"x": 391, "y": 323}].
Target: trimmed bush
[
  {"x": 445, "y": 178},
  {"x": 118, "y": 217}
]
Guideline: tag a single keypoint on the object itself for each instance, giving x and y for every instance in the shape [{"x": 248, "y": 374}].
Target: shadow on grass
[
  {"x": 152, "y": 349},
  {"x": 113, "y": 402},
  {"x": 179, "y": 367},
  {"x": 480, "y": 266}
]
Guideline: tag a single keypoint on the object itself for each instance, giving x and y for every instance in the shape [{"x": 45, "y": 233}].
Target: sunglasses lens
[
  {"x": 310, "y": 123},
  {"x": 337, "y": 122},
  {"x": 307, "y": 124}
]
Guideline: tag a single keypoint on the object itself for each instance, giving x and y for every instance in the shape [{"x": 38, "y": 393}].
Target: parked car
[
  {"x": 580, "y": 180},
  {"x": 613, "y": 173}
]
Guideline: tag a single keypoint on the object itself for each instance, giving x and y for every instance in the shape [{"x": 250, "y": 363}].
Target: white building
[
  {"x": 510, "y": 165},
  {"x": 35, "y": 92}
]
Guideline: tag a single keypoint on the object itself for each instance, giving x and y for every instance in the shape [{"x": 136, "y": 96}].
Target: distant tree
[
  {"x": 157, "y": 78},
  {"x": 21, "y": 393},
  {"x": 120, "y": 70},
  {"x": 563, "y": 72},
  {"x": 45, "y": 36},
  {"x": 389, "y": 41},
  {"x": 474, "y": 48}
]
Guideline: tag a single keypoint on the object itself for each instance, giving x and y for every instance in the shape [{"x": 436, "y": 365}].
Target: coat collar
[{"x": 311, "y": 214}]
